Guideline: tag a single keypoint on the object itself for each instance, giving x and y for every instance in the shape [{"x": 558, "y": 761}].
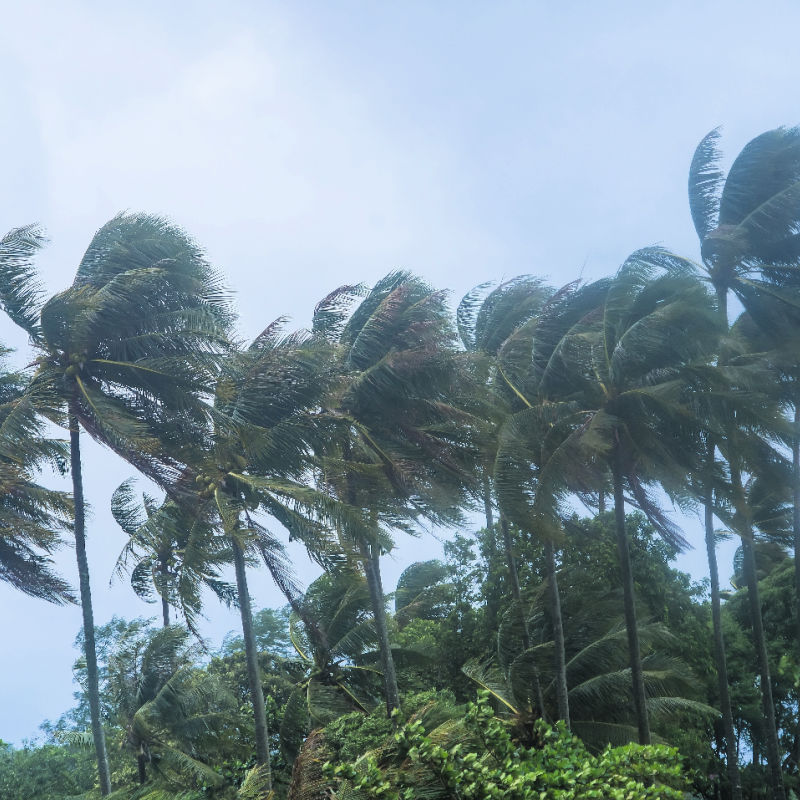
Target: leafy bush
[{"x": 475, "y": 758}]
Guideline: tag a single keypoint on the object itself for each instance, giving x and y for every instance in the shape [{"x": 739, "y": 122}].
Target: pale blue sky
[{"x": 310, "y": 144}]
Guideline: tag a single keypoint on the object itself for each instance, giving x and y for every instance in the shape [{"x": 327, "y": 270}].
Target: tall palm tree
[
  {"x": 398, "y": 449},
  {"x": 540, "y": 446},
  {"x": 487, "y": 316},
  {"x": 748, "y": 223},
  {"x": 125, "y": 353},
  {"x": 257, "y": 459},
  {"x": 655, "y": 324}
]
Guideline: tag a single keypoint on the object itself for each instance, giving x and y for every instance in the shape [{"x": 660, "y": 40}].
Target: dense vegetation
[{"x": 550, "y": 655}]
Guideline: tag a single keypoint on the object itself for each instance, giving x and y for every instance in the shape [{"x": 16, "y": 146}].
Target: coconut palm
[
  {"x": 32, "y": 518},
  {"x": 170, "y": 554},
  {"x": 541, "y": 455},
  {"x": 599, "y": 678},
  {"x": 656, "y": 322},
  {"x": 398, "y": 449},
  {"x": 257, "y": 460},
  {"x": 333, "y": 633},
  {"x": 487, "y": 316},
  {"x": 748, "y": 222},
  {"x": 125, "y": 354}
]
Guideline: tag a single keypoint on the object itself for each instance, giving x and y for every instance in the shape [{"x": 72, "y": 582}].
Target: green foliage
[
  {"x": 477, "y": 759},
  {"x": 46, "y": 772}
]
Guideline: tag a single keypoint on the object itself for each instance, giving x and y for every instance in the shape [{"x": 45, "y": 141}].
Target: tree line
[{"x": 388, "y": 412}]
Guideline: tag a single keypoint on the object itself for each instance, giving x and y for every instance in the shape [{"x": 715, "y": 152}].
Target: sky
[{"x": 306, "y": 145}]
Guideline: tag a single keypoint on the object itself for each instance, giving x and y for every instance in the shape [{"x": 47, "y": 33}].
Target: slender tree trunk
[
  {"x": 165, "y": 612},
  {"x": 513, "y": 579},
  {"x": 601, "y": 502},
  {"x": 562, "y": 691},
  {"x": 141, "y": 764},
  {"x": 487, "y": 508},
  {"x": 372, "y": 570},
  {"x": 163, "y": 569},
  {"x": 516, "y": 594},
  {"x": 796, "y": 515},
  {"x": 251, "y": 655},
  {"x": 89, "y": 646},
  {"x": 731, "y": 748},
  {"x": 768, "y": 705},
  {"x": 639, "y": 695}
]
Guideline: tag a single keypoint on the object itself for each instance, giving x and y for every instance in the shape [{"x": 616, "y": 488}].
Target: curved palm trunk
[
  {"x": 768, "y": 705},
  {"x": 89, "y": 646},
  {"x": 372, "y": 570},
  {"x": 731, "y": 748},
  {"x": 513, "y": 577},
  {"x": 623, "y": 550},
  {"x": 251, "y": 656},
  {"x": 562, "y": 692}
]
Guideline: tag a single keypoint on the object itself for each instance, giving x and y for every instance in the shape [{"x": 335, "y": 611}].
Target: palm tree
[
  {"x": 747, "y": 223},
  {"x": 124, "y": 353},
  {"x": 541, "y": 447},
  {"x": 333, "y": 633},
  {"x": 655, "y": 324},
  {"x": 163, "y": 702},
  {"x": 487, "y": 317},
  {"x": 257, "y": 459},
  {"x": 397, "y": 450},
  {"x": 32, "y": 518},
  {"x": 169, "y": 553}
]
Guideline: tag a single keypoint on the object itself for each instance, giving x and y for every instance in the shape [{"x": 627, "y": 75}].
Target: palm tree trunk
[
  {"x": 516, "y": 594},
  {"x": 731, "y": 749},
  {"x": 372, "y": 570},
  {"x": 163, "y": 568},
  {"x": 796, "y": 514},
  {"x": 141, "y": 766},
  {"x": 562, "y": 691},
  {"x": 165, "y": 612},
  {"x": 89, "y": 646},
  {"x": 768, "y": 705},
  {"x": 487, "y": 508},
  {"x": 251, "y": 656},
  {"x": 623, "y": 550}
]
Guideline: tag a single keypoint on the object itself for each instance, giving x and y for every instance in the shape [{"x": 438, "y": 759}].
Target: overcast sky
[{"x": 306, "y": 145}]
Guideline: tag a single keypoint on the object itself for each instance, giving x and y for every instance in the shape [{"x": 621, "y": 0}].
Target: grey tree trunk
[
  {"x": 731, "y": 747},
  {"x": 513, "y": 577},
  {"x": 163, "y": 569},
  {"x": 89, "y": 646},
  {"x": 623, "y": 550},
  {"x": 768, "y": 705},
  {"x": 562, "y": 691},
  {"x": 251, "y": 656},
  {"x": 796, "y": 514},
  {"x": 141, "y": 766},
  {"x": 372, "y": 571}
]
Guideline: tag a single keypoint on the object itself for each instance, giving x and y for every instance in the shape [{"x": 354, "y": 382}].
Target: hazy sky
[{"x": 307, "y": 145}]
